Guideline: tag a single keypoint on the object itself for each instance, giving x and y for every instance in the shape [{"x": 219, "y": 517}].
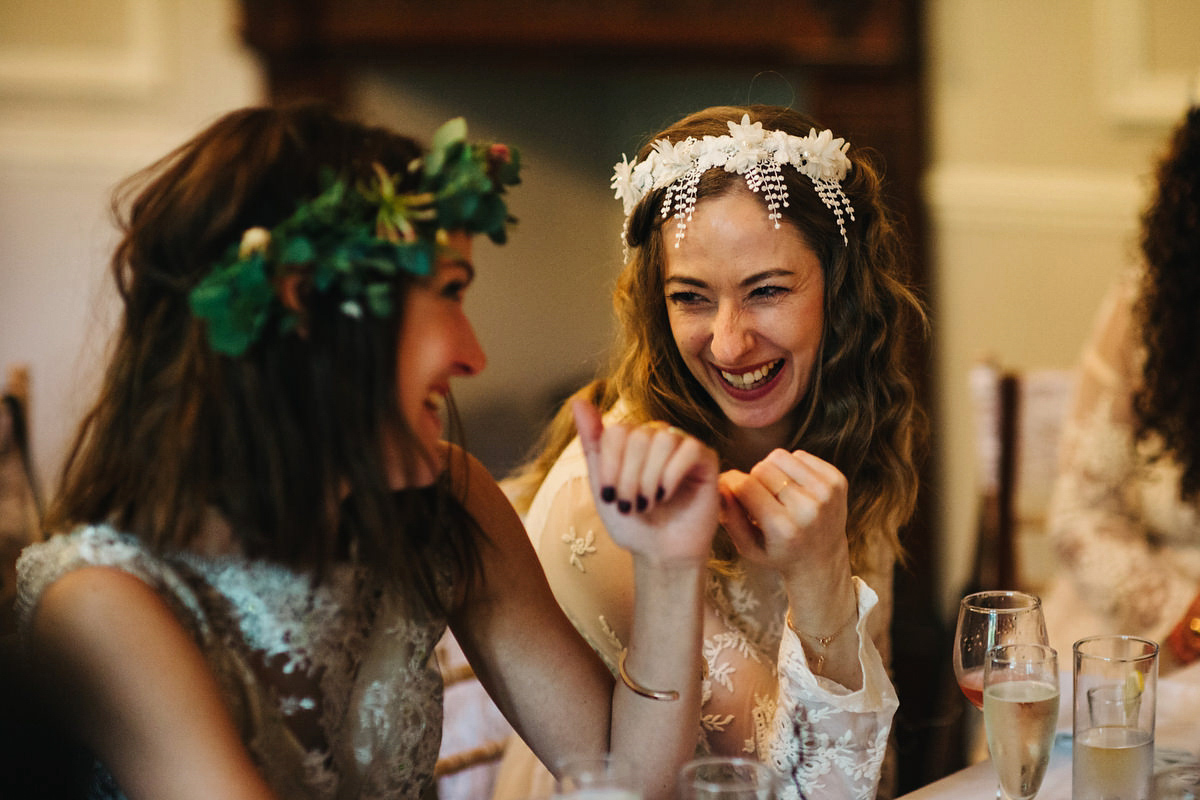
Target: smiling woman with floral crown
[
  {"x": 763, "y": 309},
  {"x": 260, "y": 534}
]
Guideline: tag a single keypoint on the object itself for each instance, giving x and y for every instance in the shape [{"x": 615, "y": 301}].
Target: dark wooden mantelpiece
[{"x": 878, "y": 34}]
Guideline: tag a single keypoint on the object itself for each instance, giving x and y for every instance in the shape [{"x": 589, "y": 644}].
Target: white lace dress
[
  {"x": 332, "y": 689},
  {"x": 1128, "y": 548},
  {"x": 760, "y": 697}
]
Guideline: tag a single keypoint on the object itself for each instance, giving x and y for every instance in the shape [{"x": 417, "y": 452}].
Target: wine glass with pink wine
[{"x": 987, "y": 619}]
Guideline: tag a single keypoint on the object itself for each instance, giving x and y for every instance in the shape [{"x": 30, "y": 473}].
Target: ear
[{"x": 292, "y": 289}]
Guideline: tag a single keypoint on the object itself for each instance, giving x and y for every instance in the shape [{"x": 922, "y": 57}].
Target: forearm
[{"x": 663, "y": 653}]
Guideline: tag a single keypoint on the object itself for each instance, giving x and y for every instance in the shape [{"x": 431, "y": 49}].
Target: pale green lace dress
[{"x": 333, "y": 690}]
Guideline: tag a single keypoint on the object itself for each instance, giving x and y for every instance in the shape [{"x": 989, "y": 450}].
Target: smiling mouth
[
  {"x": 434, "y": 402},
  {"x": 754, "y": 378}
]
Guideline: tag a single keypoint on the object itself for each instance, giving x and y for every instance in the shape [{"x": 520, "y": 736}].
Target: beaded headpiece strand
[
  {"x": 757, "y": 155},
  {"x": 352, "y": 239}
]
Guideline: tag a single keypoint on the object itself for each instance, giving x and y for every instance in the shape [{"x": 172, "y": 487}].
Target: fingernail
[
  {"x": 608, "y": 494},
  {"x": 642, "y": 502},
  {"x": 660, "y": 494},
  {"x": 623, "y": 506}
]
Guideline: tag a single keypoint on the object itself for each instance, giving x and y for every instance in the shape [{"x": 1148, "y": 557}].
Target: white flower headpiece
[{"x": 751, "y": 152}]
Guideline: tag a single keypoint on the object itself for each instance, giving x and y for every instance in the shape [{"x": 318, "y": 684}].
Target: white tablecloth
[{"x": 1176, "y": 740}]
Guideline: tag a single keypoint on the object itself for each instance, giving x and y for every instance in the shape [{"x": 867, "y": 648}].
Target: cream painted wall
[
  {"x": 1046, "y": 121},
  {"x": 89, "y": 92}
]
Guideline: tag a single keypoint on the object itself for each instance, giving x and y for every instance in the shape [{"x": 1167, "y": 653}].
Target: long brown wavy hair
[
  {"x": 859, "y": 413},
  {"x": 286, "y": 442},
  {"x": 1167, "y": 404}
]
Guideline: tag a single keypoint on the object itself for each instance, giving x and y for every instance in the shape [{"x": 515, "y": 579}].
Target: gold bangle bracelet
[{"x": 637, "y": 688}]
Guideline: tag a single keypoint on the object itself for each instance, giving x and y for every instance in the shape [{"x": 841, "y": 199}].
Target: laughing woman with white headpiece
[{"x": 763, "y": 310}]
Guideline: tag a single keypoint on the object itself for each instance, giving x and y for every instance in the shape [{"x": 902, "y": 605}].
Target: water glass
[
  {"x": 728, "y": 778},
  {"x": 596, "y": 778},
  {"x": 1116, "y": 690}
]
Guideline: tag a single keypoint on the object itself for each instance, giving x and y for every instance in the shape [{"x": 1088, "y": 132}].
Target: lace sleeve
[
  {"x": 830, "y": 742},
  {"x": 760, "y": 696},
  {"x": 42, "y": 564},
  {"x": 1098, "y": 517}
]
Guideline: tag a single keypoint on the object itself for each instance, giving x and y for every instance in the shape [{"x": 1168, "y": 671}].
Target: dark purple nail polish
[
  {"x": 660, "y": 494},
  {"x": 623, "y": 506},
  {"x": 642, "y": 502},
  {"x": 608, "y": 494}
]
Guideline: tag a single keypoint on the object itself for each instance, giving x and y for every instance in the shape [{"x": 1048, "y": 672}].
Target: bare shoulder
[
  {"x": 96, "y": 616},
  {"x": 111, "y": 643},
  {"x": 90, "y": 595}
]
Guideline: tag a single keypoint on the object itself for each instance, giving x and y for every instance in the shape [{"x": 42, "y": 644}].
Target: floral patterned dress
[
  {"x": 761, "y": 698},
  {"x": 332, "y": 688},
  {"x": 1128, "y": 548}
]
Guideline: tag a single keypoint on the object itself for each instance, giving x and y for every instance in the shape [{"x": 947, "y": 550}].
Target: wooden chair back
[{"x": 1019, "y": 418}]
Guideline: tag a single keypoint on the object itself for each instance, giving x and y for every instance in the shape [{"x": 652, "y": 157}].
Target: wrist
[{"x": 823, "y": 607}]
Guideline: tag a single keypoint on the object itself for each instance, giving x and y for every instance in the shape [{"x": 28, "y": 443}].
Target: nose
[
  {"x": 470, "y": 358},
  {"x": 732, "y": 336}
]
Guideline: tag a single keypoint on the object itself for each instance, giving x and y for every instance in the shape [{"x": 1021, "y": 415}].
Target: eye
[
  {"x": 454, "y": 290},
  {"x": 687, "y": 299},
  {"x": 768, "y": 292}
]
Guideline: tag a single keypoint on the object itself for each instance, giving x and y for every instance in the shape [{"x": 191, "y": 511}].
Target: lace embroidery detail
[
  {"x": 610, "y": 634},
  {"x": 798, "y": 734},
  {"x": 715, "y": 722},
  {"x": 579, "y": 546},
  {"x": 762, "y": 713},
  {"x": 334, "y": 692}
]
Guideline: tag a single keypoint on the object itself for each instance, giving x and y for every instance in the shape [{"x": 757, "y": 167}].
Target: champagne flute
[
  {"x": 1020, "y": 710},
  {"x": 987, "y": 619}
]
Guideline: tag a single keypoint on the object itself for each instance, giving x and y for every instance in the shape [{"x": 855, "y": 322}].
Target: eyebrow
[{"x": 750, "y": 280}]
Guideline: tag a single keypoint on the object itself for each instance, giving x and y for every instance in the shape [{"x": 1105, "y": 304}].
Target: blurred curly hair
[{"x": 1167, "y": 405}]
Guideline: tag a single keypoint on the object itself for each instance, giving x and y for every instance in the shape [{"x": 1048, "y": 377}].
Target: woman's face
[
  {"x": 437, "y": 343},
  {"x": 745, "y": 302}
]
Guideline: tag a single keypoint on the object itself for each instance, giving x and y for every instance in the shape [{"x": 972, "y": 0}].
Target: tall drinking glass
[
  {"x": 1116, "y": 691},
  {"x": 1020, "y": 709},
  {"x": 986, "y": 619},
  {"x": 727, "y": 778}
]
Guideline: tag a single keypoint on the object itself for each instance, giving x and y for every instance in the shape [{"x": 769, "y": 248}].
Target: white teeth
[{"x": 747, "y": 380}]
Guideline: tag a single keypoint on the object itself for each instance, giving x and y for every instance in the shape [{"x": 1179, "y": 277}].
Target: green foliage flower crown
[{"x": 352, "y": 239}]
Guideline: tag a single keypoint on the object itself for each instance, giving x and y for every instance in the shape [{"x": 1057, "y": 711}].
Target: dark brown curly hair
[
  {"x": 859, "y": 414},
  {"x": 1167, "y": 404}
]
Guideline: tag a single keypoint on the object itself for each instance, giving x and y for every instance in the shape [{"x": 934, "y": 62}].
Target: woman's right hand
[
  {"x": 655, "y": 486},
  {"x": 789, "y": 514}
]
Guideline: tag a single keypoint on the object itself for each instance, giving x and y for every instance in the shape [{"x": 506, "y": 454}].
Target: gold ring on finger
[{"x": 782, "y": 486}]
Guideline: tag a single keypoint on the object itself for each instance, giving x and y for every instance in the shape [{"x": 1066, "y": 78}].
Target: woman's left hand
[{"x": 789, "y": 514}]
